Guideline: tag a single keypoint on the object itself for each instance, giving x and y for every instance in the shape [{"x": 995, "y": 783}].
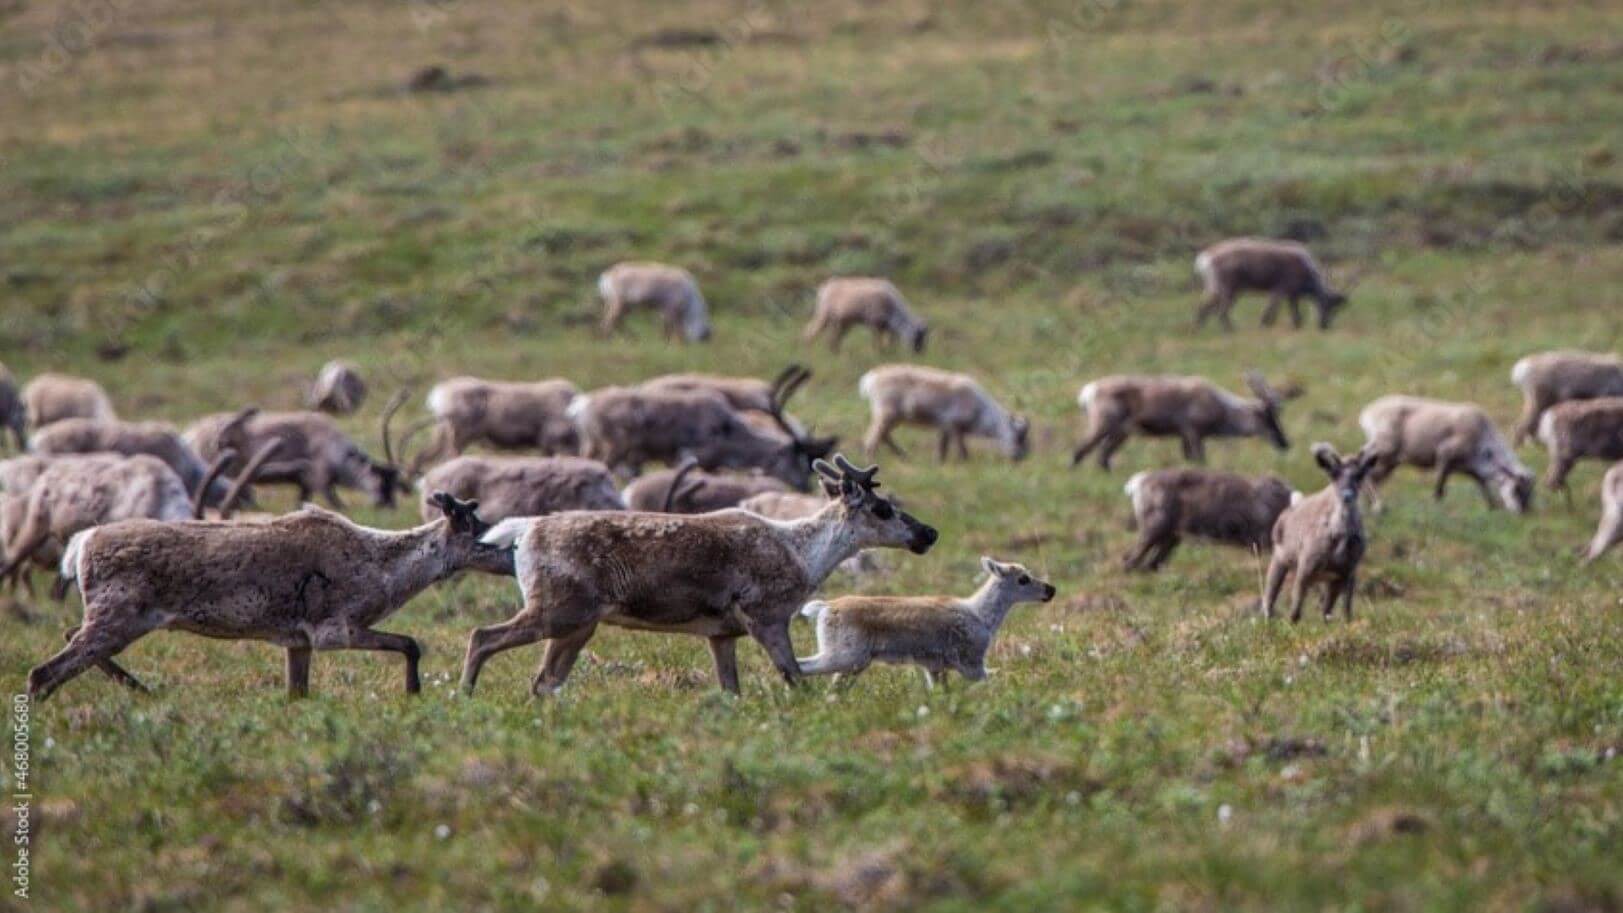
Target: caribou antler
[
  {"x": 782, "y": 389},
  {"x": 395, "y": 402},
  {"x": 236, "y": 425},
  {"x": 863, "y": 477},
  {"x": 795, "y": 369},
  {"x": 413, "y": 467},
  {"x": 672, "y": 493},
  {"x": 234, "y": 494},
  {"x": 216, "y": 468}
]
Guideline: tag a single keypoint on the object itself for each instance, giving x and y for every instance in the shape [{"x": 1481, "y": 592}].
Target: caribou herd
[{"x": 751, "y": 512}]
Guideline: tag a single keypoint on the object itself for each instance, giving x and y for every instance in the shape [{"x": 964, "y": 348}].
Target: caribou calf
[
  {"x": 1549, "y": 378},
  {"x": 669, "y": 290},
  {"x": 718, "y": 576},
  {"x": 1582, "y": 429},
  {"x": 1221, "y": 506},
  {"x": 1451, "y": 437},
  {"x": 508, "y": 487},
  {"x": 1320, "y": 538},
  {"x": 1283, "y": 269},
  {"x": 954, "y": 404},
  {"x": 935, "y": 633},
  {"x": 54, "y": 397},
  {"x": 874, "y": 303},
  {"x": 310, "y": 580},
  {"x": 1610, "y": 530},
  {"x": 1188, "y": 408}
]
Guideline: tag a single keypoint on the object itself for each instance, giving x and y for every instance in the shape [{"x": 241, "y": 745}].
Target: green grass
[{"x": 231, "y": 194}]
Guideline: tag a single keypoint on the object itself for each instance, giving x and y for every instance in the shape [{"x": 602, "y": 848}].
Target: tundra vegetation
[{"x": 205, "y": 203}]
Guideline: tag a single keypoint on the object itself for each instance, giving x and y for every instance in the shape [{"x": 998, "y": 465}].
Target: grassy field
[{"x": 204, "y": 201}]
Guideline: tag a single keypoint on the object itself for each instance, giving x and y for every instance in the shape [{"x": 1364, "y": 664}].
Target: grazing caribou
[
  {"x": 1188, "y": 408},
  {"x": 508, "y": 487},
  {"x": 689, "y": 490},
  {"x": 669, "y": 290},
  {"x": 314, "y": 454},
  {"x": 53, "y": 397},
  {"x": 1450, "y": 437},
  {"x": 626, "y": 427},
  {"x": 158, "y": 439},
  {"x": 1549, "y": 378},
  {"x": 746, "y": 394},
  {"x": 954, "y": 404},
  {"x": 74, "y": 493},
  {"x": 1588, "y": 429},
  {"x": 510, "y": 415},
  {"x": 1283, "y": 269},
  {"x": 874, "y": 303},
  {"x": 1610, "y": 530},
  {"x": 1169, "y": 504}
]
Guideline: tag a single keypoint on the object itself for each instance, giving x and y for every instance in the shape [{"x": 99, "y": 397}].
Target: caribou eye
[
  {"x": 883, "y": 510},
  {"x": 1024, "y": 579}
]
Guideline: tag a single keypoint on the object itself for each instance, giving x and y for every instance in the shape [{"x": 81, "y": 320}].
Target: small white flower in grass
[
  {"x": 1301, "y": 660},
  {"x": 690, "y": 809},
  {"x": 1290, "y": 679},
  {"x": 442, "y": 832},
  {"x": 1225, "y": 813},
  {"x": 1025, "y": 649},
  {"x": 50, "y": 742},
  {"x": 374, "y": 806},
  {"x": 923, "y": 711},
  {"x": 1073, "y": 798}
]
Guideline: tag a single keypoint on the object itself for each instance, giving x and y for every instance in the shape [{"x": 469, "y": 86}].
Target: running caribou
[{"x": 719, "y": 576}]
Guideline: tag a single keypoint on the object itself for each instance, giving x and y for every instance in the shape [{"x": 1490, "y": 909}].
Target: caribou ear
[
  {"x": 1365, "y": 460},
  {"x": 1327, "y": 458},
  {"x": 990, "y": 566}
]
